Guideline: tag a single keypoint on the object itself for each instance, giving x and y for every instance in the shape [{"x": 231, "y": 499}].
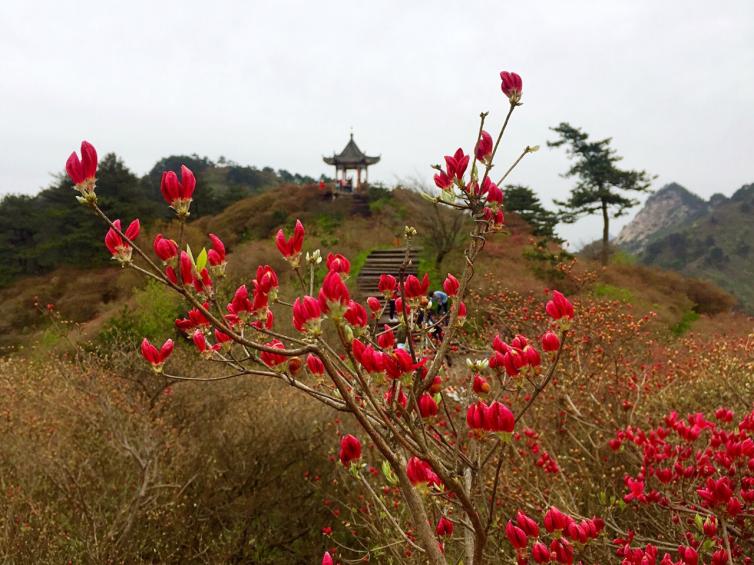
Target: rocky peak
[
  {"x": 670, "y": 206},
  {"x": 717, "y": 199}
]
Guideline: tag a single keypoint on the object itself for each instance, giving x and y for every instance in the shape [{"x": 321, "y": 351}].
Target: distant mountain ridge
[{"x": 710, "y": 239}]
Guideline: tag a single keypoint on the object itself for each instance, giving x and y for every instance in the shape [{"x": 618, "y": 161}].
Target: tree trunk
[
  {"x": 424, "y": 531},
  {"x": 605, "y": 234},
  {"x": 468, "y": 535}
]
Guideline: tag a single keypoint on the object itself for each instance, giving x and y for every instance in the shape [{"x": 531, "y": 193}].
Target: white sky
[{"x": 280, "y": 84}]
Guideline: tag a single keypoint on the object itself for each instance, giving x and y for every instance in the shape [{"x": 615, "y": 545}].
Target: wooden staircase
[
  {"x": 385, "y": 261},
  {"x": 360, "y": 205}
]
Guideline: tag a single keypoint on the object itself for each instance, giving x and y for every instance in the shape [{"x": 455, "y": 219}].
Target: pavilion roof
[{"x": 351, "y": 155}]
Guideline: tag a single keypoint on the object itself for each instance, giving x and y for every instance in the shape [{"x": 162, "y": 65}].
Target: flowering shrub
[
  {"x": 393, "y": 386},
  {"x": 437, "y": 443},
  {"x": 700, "y": 473}
]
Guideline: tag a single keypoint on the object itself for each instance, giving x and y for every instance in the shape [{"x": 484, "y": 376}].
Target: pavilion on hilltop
[{"x": 351, "y": 159}]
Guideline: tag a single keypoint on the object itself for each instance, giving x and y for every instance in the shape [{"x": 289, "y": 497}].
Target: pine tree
[
  {"x": 600, "y": 182},
  {"x": 525, "y": 203}
]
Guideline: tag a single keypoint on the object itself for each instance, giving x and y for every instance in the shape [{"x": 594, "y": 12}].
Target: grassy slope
[{"x": 92, "y": 297}]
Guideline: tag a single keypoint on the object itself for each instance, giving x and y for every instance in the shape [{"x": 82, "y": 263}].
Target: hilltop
[{"x": 711, "y": 239}]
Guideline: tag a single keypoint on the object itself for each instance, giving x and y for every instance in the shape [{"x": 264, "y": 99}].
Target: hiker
[{"x": 441, "y": 300}]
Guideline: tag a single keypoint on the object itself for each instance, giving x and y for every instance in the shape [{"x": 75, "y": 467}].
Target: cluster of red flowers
[
  {"x": 701, "y": 465},
  {"x": 495, "y": 417},
  {"x": 395, "y": 364},
  {"x": 565, "y": 532}
]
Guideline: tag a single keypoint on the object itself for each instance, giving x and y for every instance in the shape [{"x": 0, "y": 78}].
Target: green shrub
[
  {"x": 684, "y": 325},
  {"x": 604, "y": 290},
  {"x": 150, "y": 314}
]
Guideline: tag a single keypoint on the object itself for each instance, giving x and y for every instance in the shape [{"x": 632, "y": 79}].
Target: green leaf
[
  {"x": 388, "y": 472},
  {"x": 699, "y": 522},
  {"x": 201, "y": 260},
  {"x": 448, "y": 196}
]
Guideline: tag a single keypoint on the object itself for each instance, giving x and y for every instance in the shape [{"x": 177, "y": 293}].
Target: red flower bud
[
  {"x": 540, "y": 553},
  {"x": 119, "y": 247},
  {"x": 443, "y": 181},
  {"x": 201, "y": 344},
  {"x": 483, "y": 149},
  {"x": 555, "y": 520},
  {"x": 356, "y": 314},
  {"x": 512, "y": 86},
  {"x": 527, "y": 524},
  {"x": 327, "y": 559},
  {"x": 499, "y": 418},
  {"x": 81, "y": 171},
  {"x": 532, "y": 356},
  {"x": 290, "y": 249},
  {"x": 386, "y": 339},
  {"x": 350, "y": 450},
  {"x": 456, "y": 164},
  {"x": 221, "y": 337},
  {"x": 266, "y": 280},
  {"x": 154, "y": 356},
  {"x": 187, "y": 268},
  {"x": 170, "y": 274},
  {"x": 374, "y": 304},
  {"x": 272, "y": 359},
  {"x": 419, "y": 471},
  {"x": 493, "y": 192},
  {"x": 562, "y": 550},
  {"x": 688, "y": 555},
  {"x": 427, "y": 406},
  {"x": 480, "y": 386},
  {"x": 307, "y": 314},
  {"x": 315, "y": 364},
  {"x": 178, "y": 194},
  {"x": 338, "y": 263},
  {"x": 333, "y": 294},
  {"x": 559, "y": 307},
  {"x": 164, "y": 248},
  {"x": 387, "y": 285},
  {"x": 451, "y": 285},
  {"x": 461, "y": 318},
  {"x": 216, "y": 255},
  {"x": 516, "y": 536},
  {"x": 436, "y": 385},
  {"x": 413, "y": 288},
  {"x": 550, "y": 341},
  {"x": 444, "y": 527}
]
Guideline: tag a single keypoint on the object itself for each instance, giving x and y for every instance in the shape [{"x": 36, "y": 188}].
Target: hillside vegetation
[
  {"x": 43, "y": 232},
  {"x": 522, "y": 262}
]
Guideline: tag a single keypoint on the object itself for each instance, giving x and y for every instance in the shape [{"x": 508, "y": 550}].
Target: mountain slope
[{"x": 712, "y": 240}]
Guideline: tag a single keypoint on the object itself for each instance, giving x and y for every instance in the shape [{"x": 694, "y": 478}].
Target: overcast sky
[{"x": 280, "y": 83}]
